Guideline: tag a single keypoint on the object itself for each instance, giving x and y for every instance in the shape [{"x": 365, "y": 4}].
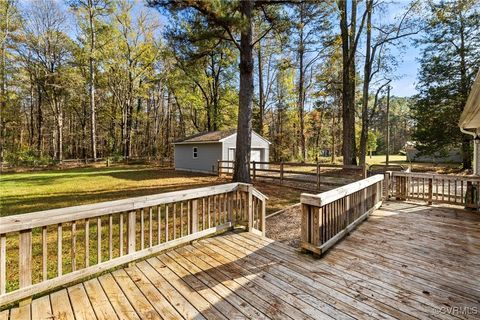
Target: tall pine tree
[{"x": 449, "y": 62}]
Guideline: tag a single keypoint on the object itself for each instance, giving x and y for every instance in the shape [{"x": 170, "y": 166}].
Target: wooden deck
[{"x": 407, "y": 261}]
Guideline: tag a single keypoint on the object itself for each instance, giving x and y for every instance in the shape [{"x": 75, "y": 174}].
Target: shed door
[{"x": 256, "y": 155}]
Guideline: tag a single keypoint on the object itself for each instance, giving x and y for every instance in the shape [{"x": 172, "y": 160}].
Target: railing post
[
  {"x": 193, "y": 216},
  {"x": 281, "y": 172},
  {"x": 401, "y": 187},
  {"x": 263, "y": 222},
  {"x": 254, "y": 170},
  {"x": 218, "y": 168},
  {"x": 305, "y": 234},
  {"x": 386, "y": 176},
  {"x": 250, "y": 209},
  {"x": 131, "y": 231},
  {"x": 318, "y": 176},
  {"x": 430, "y": 190},
  {"x": 25, "y": 261}
]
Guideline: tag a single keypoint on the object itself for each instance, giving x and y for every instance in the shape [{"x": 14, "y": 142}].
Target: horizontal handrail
[
  {"x": 54, "y": 216},
  {"x": 330, "y": 196}
]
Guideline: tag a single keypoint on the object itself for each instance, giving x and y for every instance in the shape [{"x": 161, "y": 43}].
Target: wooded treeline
[{"x": 105, "y": 78}]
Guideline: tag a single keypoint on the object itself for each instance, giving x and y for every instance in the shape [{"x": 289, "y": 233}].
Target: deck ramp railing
[
  {"x": 329, "y": 216},
  {"x": 43, "y": 250},
  {"x": 439, "y": 188}
]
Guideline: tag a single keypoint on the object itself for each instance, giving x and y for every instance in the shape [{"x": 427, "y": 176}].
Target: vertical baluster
[
  {"x": 448, "y": 180},
  {"x": 150, "y": 228},
  {"x": 44, "y": 254},
  {"x": 189, "y": 204},
  {"x": 59, "y": 250},
  {"x": 462, "y": 196},
  {"x": 99, "y": 239},
  {"x": 166, "y": 223},
  {"x": 203, "y": 213},
  {"x": 74, "y": 246},
  {"x": 159, "y": 224},
  {"x": 121, "y": 234},
  {"x": 110, "y": 236},
  {"x": 208, "y": 213},
  {"x": 142, "y": 230},
  {"x": 174, "y": 221},
  {"x": 455, "y": 197},
  {"x": 181, "y": 219},
  {"x": 3, "y": 263},
  {"x": 87, "y": 242}
]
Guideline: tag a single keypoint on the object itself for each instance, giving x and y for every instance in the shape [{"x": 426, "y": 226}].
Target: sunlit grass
[{"x": 35, "y": 191}]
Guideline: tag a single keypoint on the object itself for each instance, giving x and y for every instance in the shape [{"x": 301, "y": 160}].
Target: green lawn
[{"x": 42, "y": 190}]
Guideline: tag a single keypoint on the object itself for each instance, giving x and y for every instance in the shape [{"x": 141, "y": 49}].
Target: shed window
[{"x": 195, "y": 152}]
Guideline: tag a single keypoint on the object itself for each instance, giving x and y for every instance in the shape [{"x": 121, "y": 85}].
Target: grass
[
  {"x": 42, "y": 190},
  {"x": 35, "y": 191}
]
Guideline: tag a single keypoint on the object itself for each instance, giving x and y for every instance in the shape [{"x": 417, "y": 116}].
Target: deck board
[{"x": 407, "y": 261}]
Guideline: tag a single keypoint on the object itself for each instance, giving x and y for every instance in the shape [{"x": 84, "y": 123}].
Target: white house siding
[{"x": 208, "y": 154}]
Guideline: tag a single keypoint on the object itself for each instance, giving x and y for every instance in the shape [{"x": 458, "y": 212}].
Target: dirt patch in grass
[
  {"x": 285, "y": 227},
  {"x": 279, "y": 197}
]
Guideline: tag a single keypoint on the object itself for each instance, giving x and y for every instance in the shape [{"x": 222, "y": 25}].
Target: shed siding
[
  {"x": 257, "y": 143},
  {"x": 208, "y": 154}
]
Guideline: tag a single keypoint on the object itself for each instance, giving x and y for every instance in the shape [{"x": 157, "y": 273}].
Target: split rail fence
[{"x": 311, "y": 175}]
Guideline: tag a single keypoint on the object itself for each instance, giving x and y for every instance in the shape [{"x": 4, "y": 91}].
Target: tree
[
  {"x": 312, "y": 28},
  {"x": 227, "y": 20},
  {"x": 450, "y": 58},
  {"x": 350, "y": 36},
  {"x": 91, "y": 10},
  {"x": 379, "y": 36},
  {"x": 49, "y": 48},
  {"x": 10, "y": 23}
]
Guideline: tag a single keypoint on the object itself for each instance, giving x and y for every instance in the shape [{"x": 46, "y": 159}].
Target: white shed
[{"x": 200, "y": 152}]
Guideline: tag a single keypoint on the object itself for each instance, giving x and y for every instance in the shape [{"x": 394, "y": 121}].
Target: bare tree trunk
[
  {"x": 348, "y": 80},
  {"x": 244, "y": 126},
  {"x": 366, "y": 83},
  {"x": 261, "y": 97},
  {"x": 301, "y": 87},
  {"x": 91, "y": 82}
]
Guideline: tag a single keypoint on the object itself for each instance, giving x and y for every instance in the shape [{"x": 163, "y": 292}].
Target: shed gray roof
[
  {"x": 205, "y": 137},
  {"x": 212, "y": 137}
]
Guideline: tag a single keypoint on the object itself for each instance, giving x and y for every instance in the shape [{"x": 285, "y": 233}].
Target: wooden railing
[
  {"x": 329, "y": 216},
  {"x": 313, "y": 175},
  {"x": 440, "y": 188},
  {"x": 43, "y": 250}
]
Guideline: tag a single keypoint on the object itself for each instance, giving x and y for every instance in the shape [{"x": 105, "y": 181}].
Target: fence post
[
  {"x": 430, "y": 190},
  {"x": 254, "y": 169},
  {"x": 318, "y": 176},
  {"x": 131, "y": 221},
  {"x": 194, "y": 216},
  {"x": 281, "y": 172}
]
